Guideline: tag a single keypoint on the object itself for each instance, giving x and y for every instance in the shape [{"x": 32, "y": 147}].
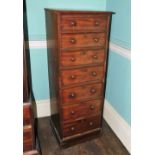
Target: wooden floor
[{"x": 107, "y": 144}]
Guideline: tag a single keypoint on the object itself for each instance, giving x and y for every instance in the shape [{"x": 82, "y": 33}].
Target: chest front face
[{"x": 81, "y": 53}]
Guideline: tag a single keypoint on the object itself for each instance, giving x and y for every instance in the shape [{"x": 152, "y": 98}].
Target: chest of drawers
[{"x": 77, "y": 61}]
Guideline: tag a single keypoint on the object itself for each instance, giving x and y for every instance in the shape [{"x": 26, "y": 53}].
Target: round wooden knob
[
  {"x": 94, "y": 73},
  {"x": 97, "y": 23},
  {"x": 95, "y": 57},
  {"x": 72, "y": 129},
  {"x": 72, "y": 112},
  {"x": 92, "y": 107},
  {"x": 93, "y": 90},
  {"x": 72, "y": 95},
  {"x": 73, "y": 23},
  {"x": 96, "y": 39},
  {"x": 73, "y": 77},
  {"x": 72, "y": 59},
  {"x": 90, "y": 123},
  {"x": 73, "y": 41}
]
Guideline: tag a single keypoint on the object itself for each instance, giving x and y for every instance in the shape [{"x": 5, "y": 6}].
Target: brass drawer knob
[
  {"x": 72, "y": 129},
  {"x": 72, "y": 95},
  {"x": 93, "y": 90},
  {"x": 72, "y": 59},
  {"x": 72, "y": 112},
  {"x": 73, "y": 41},
  {"x": 95, "y": 57},
  {"x": 91, "y": 123},
  {"x": 73, "y": 23},
  {"x": 96, "y": 40},
  {"x": 73, "y": 77},
  {"x": 97, "y": 23},
  {"x": 94, "y": 73},
  {"x": 92, "y": 107}
]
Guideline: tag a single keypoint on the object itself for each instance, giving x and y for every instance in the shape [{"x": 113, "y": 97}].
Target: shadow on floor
[{"x": 107, "y": 144}]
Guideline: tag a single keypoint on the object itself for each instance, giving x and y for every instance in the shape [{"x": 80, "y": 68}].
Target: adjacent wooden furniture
[
  {"x": 77, "y": 61},
  {"x": 29, "y": 134},
  {"x": 28, "y": 128}
]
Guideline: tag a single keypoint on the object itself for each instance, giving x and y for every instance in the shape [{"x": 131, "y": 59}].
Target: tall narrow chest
[{"x": 77, "y": 63}]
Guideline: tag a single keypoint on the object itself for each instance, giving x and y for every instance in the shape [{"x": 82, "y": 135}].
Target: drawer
[
  {"x": 27, "y": 139},
  {"x": 84, "y": 23},
  {"x": 83, "y": 57},
  {"x": 79, "y": 93},
  {"x": 83, "y": 40},
  {"x": 26, "y": 115},
  {"x": 83, "y": 109},
  {"x": 81, "y": 126},
  {"x": 74, "y": 76}
]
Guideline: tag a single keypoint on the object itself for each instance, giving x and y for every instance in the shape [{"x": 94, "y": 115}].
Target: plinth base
[{"x": 72, "y": 140}]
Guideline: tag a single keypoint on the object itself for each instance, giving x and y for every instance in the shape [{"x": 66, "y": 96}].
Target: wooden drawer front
[
  {"x": 81, "y": 126},
  {"x": 83, "y": 109},
  {"x": 27, "y": 139},
  {"x": 76, "y": 94},
  {"x": 73, "y": 76},
  {"x": 91, "y": 23},
  {"x": 83, "y": 40},
  {"x": 82, "y": 57},
  {"x": 26, "y": 115}
]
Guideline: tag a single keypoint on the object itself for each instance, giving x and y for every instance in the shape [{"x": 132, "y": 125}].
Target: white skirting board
[
  {"x": 126, "y": 53},
  {"x": 114, "y": 120},
  {"x": 44, "y": 108},
  {"x": 118, "y": 125}
]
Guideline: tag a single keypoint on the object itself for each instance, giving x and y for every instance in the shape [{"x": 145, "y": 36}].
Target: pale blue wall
[
  {"x": 39, "y": 71},
  {"x": 121, "y": 22},
  {"x": 118, "y": 90}
]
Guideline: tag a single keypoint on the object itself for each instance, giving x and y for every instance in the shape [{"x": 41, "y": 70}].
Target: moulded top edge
[{"x": 77, "y": 11}]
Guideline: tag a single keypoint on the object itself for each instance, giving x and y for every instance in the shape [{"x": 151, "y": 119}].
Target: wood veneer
[{"x": 77, "y": 61}]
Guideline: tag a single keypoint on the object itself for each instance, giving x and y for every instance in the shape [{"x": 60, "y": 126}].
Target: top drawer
[{"x": 83, "y": 23}]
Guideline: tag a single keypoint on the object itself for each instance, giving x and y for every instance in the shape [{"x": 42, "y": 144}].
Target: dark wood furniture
[
  {"x": 77, "y": 61},
  {"x": 29, "y": 134}
]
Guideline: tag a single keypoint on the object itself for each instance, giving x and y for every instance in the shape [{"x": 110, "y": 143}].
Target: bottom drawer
[
  {"x": 27, "y": 139},
  {"x": 81, "y": 126}
]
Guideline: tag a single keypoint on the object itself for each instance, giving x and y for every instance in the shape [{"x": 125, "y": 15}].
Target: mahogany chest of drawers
[{"x": 77, "y": 61}]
